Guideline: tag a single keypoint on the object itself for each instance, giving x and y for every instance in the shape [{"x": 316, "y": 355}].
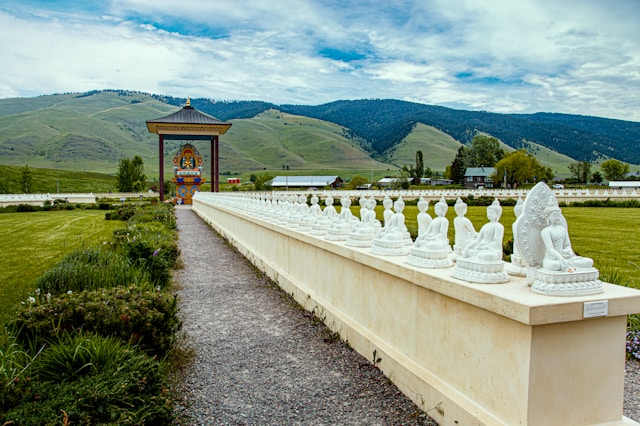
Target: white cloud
[{"x": 573, "y": 56}]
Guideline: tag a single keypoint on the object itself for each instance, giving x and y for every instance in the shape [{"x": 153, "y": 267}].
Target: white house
[{"x": 306, "y": 182}]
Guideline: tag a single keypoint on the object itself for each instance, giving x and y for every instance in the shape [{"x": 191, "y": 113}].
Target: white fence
[{"x": 73, "y": 198}]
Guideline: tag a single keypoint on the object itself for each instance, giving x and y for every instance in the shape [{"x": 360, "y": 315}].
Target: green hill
[
  {"x": 54, "y": 181},
  {"x": 438, "y": 148},
  {"x": 92, "y": 131},
  {"x": 79, "y": 132}
]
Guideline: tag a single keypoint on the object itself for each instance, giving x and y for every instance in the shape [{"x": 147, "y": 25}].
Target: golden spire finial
[{"x": 188, "y": 102}]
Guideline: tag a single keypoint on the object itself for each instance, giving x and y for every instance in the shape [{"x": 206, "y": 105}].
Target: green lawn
[{"x": 33, "y": 242}]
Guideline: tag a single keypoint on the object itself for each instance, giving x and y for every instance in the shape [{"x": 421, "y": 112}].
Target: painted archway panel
[{"x": 187, "y": 170}]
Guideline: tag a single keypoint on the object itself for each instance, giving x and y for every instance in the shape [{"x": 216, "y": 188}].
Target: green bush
[
  {"x": 93, "y": 380},
  {"x": 161, "y": 213},
  {"x": 146, "y": 256},
  {"x": 91, "y": 269},
  {"x": 121, "y": 212},
  {"x": 146, "y": 318}
]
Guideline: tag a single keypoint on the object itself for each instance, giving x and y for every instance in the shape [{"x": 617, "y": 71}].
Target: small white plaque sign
[{"x": 599, "y": 308}]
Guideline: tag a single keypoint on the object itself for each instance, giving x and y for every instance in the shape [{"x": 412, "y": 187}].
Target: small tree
[
  {"x": 357, "y": 181},
  {"x": 26, "y": 180},
  {"x": 485, "y": 151},
  {"x": 614, "y": 169},
  {"x": 402, "y": 181},
  {"x": 581, "y": 171},
  {"x": 263, "y": 182},
  {"x": 130, "y": 176},
  {"x": 4, "y": 183},
  {"x": 596, "y": 177},
  {"x": 419, "y": 165},
  {"x": 520, "y": 167}
]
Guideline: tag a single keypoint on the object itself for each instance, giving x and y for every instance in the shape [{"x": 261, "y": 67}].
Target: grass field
[{"x": 34, "y": 242}]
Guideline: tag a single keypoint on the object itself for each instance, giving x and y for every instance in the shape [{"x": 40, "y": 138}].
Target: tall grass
[{"x": 92, "y": 268}]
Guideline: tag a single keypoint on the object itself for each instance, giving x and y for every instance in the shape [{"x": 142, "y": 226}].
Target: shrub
[
  {"x": 15, "y": 369},
  {"x": 146, "y": 256},
  {"x": 94, "y": 380},
  {"x": 146, "y": 318},
  {"x": 121, "y": 212},
  {"x": 160, "y": 213},
  {"x": 91, "y": 269},
  {"x": 25, "y": 208}
]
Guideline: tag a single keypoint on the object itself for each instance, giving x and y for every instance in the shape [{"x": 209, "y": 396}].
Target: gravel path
[{"x": 260, "y": 359}]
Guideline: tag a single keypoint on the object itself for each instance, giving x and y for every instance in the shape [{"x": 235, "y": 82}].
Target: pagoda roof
[{"x": 188, "y": 123}]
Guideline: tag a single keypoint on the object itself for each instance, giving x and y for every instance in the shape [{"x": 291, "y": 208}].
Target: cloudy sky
[{"x": 570, "y": 56}]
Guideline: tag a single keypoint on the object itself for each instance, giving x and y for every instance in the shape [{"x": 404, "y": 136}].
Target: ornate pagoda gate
[{"x": 189, "y": 124}]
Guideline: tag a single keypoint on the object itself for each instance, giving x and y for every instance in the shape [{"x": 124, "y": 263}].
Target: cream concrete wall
[{"x": 466, "y": 353}]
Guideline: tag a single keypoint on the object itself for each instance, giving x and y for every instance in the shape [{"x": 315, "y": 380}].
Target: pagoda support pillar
[
  {"x": 215, "y": 165},
  {"x": 161, "y": 168}
]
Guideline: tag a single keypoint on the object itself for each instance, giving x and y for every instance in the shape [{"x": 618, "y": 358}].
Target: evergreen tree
[
  {"x": 26, "y": 180},
  {"x": 419, "y": 164},
  {"x": 457, "y": 170}
]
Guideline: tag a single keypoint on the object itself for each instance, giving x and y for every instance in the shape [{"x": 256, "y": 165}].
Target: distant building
[
  {"x": 280, "y": 182},
  {"x": 624, "y": 184},
  {"x": 435, "y": 181},
  {"x": 388, "y": 181},
  {"x": 475, "y": 177},
  {"x": 233, "y": 181}
]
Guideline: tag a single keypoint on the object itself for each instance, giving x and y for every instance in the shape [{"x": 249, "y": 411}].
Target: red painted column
[
  {"x": 161, "y": 169},
  {"x": 217, "y": 164},
  {"x": 213, "y": 164}
]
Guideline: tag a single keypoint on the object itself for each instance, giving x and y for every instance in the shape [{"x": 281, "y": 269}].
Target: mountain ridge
[{"x": 94, "y": 129}]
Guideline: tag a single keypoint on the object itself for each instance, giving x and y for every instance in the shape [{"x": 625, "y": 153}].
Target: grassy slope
[
  {"x": 47, "y": 180},
  {"x": 34, "y": 242},
  {"x": 559, "y": 163},
  {"x": 438, "y": 148},
  {"x": 86, "y": 133},
  {"x": 306, "y": 145}
]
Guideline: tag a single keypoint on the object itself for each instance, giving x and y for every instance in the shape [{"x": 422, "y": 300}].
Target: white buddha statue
[
  {"x": 301, "y": 209},
  {"x": 481, "y": 260},
  {"x": 364, "y": 232},
  {"x": 387, "y": 203},
  {"x": 432, "y": 249},
  {"x": 309, "y": 219},
  {"x": 424, "y": 220},
  {"x": 393, "y": 239},
  {"x": 488, "y": 244},
  {"x": 516, "y": 267},
  {"x": 342, "y": 226},
  {"x": 323, "y": 222},
  {"x": 559, "y": 255},
  {"x": 465, "y": 233},
  {"x": 542, "y": 237}
]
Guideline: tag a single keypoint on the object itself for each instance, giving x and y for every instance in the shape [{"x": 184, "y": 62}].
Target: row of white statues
[{"x": 541, "y": 251}]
